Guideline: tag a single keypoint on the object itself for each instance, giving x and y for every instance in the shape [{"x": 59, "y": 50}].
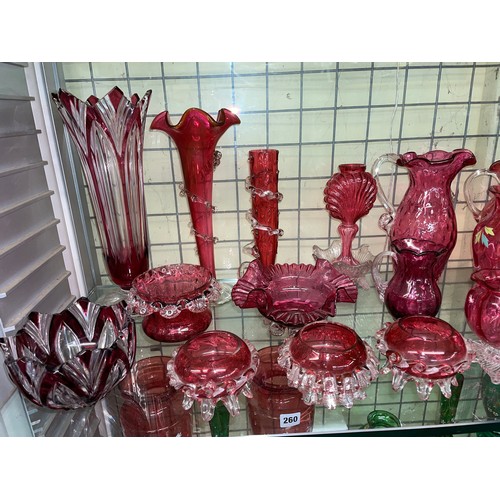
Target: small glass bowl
[
  {"x": 74, "y": 358},
  {"x": 329, "y": 363},
  {"x": 213, "y": 366},
  {"x": 426, "y": 350}
]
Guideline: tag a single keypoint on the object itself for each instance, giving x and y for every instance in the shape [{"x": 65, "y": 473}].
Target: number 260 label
[{"x": 289, "y": 419}]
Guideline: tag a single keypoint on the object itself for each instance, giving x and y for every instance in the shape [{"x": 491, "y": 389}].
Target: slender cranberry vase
[
  {"x": 263, "y": 185},
  {"x": 349, "y": 195},
  {"x": 486, "y": 235},
  {"x": 108, "y": 134},
  {"x": 196, "y": 136},
  {"x": 426, "y": 211}
]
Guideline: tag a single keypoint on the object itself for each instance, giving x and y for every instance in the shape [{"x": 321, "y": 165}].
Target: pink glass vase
[
  {"x": 486, "y": 235},
  {"x": 263, "y": 186},
  {"x": 426, "y": 211},
  {"x": 329, "y": 364},
  {"x": 174, "y": 300},
  {"x": 293, "y": 294},
  {"x": 215, "y": 366},
  {"x": 349, "y": 195},
  {"x": 423, "y": 349},
  {"x": 276, "y": 408},
  {"x": 493, "y": 173},
  {"x": 413, "y": 289},
  {"x": 108, "y": 134},
  {"x": 196, "y": 136},
  {"x": 150, "y": 407},
  {"x": 74, "y": 358}
]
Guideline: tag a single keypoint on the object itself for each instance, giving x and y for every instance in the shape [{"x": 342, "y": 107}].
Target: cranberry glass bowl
[
  {"x": 174, "y": 300},
  {"x": 213, "y": 366},
  {"x": 150, "y": 407},
  {"x": 424, "y": 349},
  {"x": 74, "y": 358},
  {"x": 329, "y": 363}
]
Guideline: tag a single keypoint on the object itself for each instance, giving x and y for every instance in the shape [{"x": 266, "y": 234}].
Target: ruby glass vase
[
  {"x": 74, "y": 358},
  {"x": 263, "y": 216},
  {"x": 108, "y": 134},
  {"x": 174, "y": 300},
  {"x": 196, "y": 136},
  {"x": 276, "y": 408},
  {"x": 215, "y": 366},
  {"x": 423, "y": 349},
  {"x": 149, "y": 406},
  {"x": 329, "y": 364},
  {"x": 293, "y": 295},
  {"x": 413, "y": 288},
  {"x": 426, "y": 211}
]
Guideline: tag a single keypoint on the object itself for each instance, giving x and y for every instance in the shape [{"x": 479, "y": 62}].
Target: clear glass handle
[
  {"x": 380, "y": 284},
  {"x": 391, "y": 158},
  {"x": 469, "y": 198}
]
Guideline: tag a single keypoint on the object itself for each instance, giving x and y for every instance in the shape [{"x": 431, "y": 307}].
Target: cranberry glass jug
[
  {"x": 493, "y": 173},
  {"x": 426, "y": 211}
]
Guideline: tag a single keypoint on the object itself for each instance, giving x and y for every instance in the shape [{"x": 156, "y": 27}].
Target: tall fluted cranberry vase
[
  {"x": 196, "y": 136},
  {"x": 108, "y": 134}
]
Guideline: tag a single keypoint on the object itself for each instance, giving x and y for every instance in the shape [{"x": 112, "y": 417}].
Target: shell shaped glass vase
[
  {"x": 108, "y": 134},
  {"x": 74, "y": 358}
]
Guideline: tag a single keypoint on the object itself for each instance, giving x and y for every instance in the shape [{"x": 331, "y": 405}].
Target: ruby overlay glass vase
[
  {"x": 349, "y": 195},
  {"x": 413, "y": 288},
  {"x": 196, "y": 136},
  {"x": 263, "y": 216},
  {"x": 426, "y": 211},
  {"x": 149, "y": 406},
  {"x": 329, "y": 364},
  {"x": 493, "y": 174},
  {"x": 215, "y": 366},
  {"x": 276, "y": 408},
  {"x": 293, "y": 294},
  {"x": 108, "y": 134},
  {"x": 71, "y": 359},
  {"x": 486, "y": 234},
  {"x": 423, "y": 349},
  {"x": 175, "y": 301}
]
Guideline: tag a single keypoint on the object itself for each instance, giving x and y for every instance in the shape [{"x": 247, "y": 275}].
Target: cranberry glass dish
[
  {"x": 71, "y": 359},
  {"x": 329, "y": 363},
  {"x": 174, "y": 300},
  {"x": 424, "y": 349},
  {"x": 213, "y": 366}
]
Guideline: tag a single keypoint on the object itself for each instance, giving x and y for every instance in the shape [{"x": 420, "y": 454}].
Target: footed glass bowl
[
  {"x": 424, "y": 349},
  {"x": 74, "y": 358}
]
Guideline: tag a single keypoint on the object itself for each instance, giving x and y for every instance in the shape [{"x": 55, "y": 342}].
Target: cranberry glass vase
[
  {"x": 276, "y": 408},
  {"x": 293, "y": 294},
  {"x": 329, "y": 363},
  {"x": 493, "y": 173},
  {"x": 108, "y": 134},
  {"x": 211, "y": 367},
  {"x": 196, "y": 136},
  {"x": 426, "y": 211},
  {"x": 175, "y": 301},
  {"x": 349, "y": 195},
  {"x": 486, "y": 235},
  {"x": 150, "y": 407},
  {"x": 424, "y": 349},
  {"x": 74, "y": 358},
  {"x": 413, "y": 289},
  {"x": 263, "y": 186}
]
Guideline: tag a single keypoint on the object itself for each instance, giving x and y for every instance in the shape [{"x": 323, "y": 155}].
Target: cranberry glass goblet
[
  {"x": 293, "y": 295},
  {"x": 276, "y": 408},
  {"x": 150, "y": 407},
  {"x": 211, "y": 367},
  {"x": 329, "y": 363},
  {"x": 426, "y": 350},
  {"x": 175, "y": 301},
  {"x": 74, "y": 358}
]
